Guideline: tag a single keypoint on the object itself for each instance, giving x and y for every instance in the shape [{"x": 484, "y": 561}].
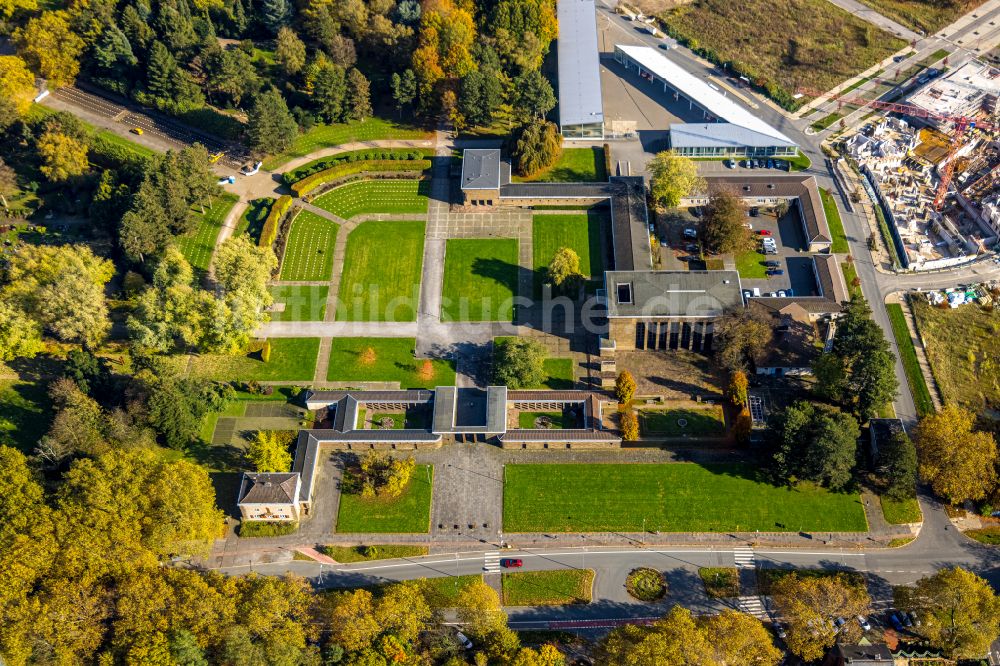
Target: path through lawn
[{"x": 197, "y": 248}]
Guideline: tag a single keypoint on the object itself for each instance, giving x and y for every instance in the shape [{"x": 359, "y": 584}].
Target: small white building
[{"x": 270, "y": 496}]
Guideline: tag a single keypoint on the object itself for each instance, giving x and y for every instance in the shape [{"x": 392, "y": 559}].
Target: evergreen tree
[
  {"x": 329, "y": 88},
  {"x": 404, "y": 89},
  {"x": 275, "y": 14},
  {"x": 270, "y": 127},
  {"x": 358, "y": 95}
]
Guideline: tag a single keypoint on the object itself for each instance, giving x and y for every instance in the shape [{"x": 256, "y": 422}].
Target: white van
[{"x": 756, "y": 292}]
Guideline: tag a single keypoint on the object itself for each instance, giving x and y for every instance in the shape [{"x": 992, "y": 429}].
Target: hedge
[
  {"x": 324, "y": 163},
  {"x": 351, "y": 168},
  {"x": 115, "y": 155},
  {"x": 607, "y": 161},
  {"x": 270, "y": 230},
  {"x": 266, "y": 528}
]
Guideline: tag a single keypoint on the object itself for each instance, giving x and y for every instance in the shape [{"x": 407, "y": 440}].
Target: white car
[
  {"x": 782, "y": 294},
  {"x": 251, "y": 170},
  {"x": 463, "y": 640},
  {"x": 863, "y": 621}
]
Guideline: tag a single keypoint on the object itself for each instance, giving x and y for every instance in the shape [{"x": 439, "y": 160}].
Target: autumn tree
[
  {"x": 8, "y": 183},
  {"x": 629, "y": 425},
  {"x": 675, "y": 638},
  {"x": 738, "y": 390},
  {"x": 740, "y": 338},
  {"x": 810, "y": 604},
  {"x": 20, "y": 335},
  {"x": 958, "y": 461},
  {"x": 368, "y": 356},
  {"x": 17, "y": 88},
  {"x": 50, "y": 47},
  {"x": 485, "y": 622},
  {"x": 382, "y": 475},
  {"x": 537, "y": 147},
  {"x": 290, "y": 51},
  {"x": 564, "y": 269},
  {"x": 63, "y": 156},
  {"x": 740, "y": 639},
  {"x": 959, "y": 612},
  {"x": 625, "y": 387},
  {"x": 672, "y": 177},
  {"x": 816, "y": 442},
  {"x": 722, "y": 225},
  {"x": 61, "y": 288},
  {"x": 426, "y": 371},
  {"x": 268, "y": 451},
  {"x": 9, "y": 7},
  {"x": 519, "y": 362}
]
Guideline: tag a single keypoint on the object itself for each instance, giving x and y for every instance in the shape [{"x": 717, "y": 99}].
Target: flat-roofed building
[
  {"x": 729, "y": 129},
  {"x": 665, "y": 310},
  {"x": 481, "y": 176},
  {"x": 581, "y": 111}
]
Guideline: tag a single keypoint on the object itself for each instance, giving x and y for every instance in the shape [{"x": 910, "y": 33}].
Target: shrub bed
[
  {"x": 324, "y": 163},
  {"x": 313, "y": 181},
  {"x": 720, "y": 582},
  {"x": 264, "y": 528},
  {"x": 646, "y": 584},
  {"x": 270, "y": 231}
]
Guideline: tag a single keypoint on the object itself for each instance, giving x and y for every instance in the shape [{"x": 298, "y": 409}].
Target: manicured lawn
[
  {"x": 720, "y": 582},
  {"x": 756, "y": 33},
  {"x": 381, "y": 278},
  {"x": 526, "y": 420},
  {"x": 961, "y": 347},
  {"x": 826, "y": 121},
  {"x": 850, "y": 274},
  {"x": 670, "y": 497},
  {"x": 443, "y": 592},
  {"x": 25, "y": 413},
  {"x": 292, "y": 360},
  {"x": 302, "y": 302},
  {"x": 324, "y": 136},
  {"x": 800, "y": 162},
  {"x": 252, "y": 220},
  {"x": 376, "y": 196},
  {"x": 899, "y": 512},
  {"x": 123, "y": 143},
  {"x": 701, "y": 422},
  {"x": 480, "y": 279},
  {"x": 348, "y": 554},
  {"x": 580, "y": 232},
  {"x": 575, "y": 165},
  {"x": 836, "y": 224},
  {"x": 309, "y": 251},
  {"x": 547, "y": 588},
  {"x": 907, "y": 352},
  {"x": 408, "y": 513},
  {"x": 750, "y": 264},
  {"x": 197, "y": 248},
  {"x": 394, "y": 362},
  {"x": 558, "y": 374},
  {"x": 329, "y": 161},
  {"x": 398, "y": 420}
]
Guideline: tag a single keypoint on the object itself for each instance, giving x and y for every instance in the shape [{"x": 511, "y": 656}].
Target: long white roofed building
[
  {"x": 581, "y": 111},
  {"x": 729, "y": 128}
]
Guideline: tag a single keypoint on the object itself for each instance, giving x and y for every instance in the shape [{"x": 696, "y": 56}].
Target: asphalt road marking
[
  {"x": 744, "y": 558},
  {"x": 491, "y": 562}
]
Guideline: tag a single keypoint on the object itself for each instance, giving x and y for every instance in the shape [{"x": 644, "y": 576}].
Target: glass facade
[
  {"x": 584, "y": 131},
  {"x": 737, "y": 151}
]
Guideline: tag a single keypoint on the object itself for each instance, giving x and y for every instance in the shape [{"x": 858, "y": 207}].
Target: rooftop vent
[
  {"x": 624, "y": 292},
  {"x": 770, "y": 186}
]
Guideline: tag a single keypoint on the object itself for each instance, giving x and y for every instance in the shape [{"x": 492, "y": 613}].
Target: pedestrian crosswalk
[
  {"x": 491, "y": 562},
  {"x": 752, "y": 606},
  {"x": 744, "y": 558}
]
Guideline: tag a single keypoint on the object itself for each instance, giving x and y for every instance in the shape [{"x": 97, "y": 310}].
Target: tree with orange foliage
[{"x": 368, "y": 356}]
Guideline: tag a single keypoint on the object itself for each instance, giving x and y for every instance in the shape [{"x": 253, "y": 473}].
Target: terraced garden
[
  {"x": 310, "y": 248},
  {"x": 376, "y": 196},
  {"x": 381, "y": 276},
  {"x": 325, "y": 136}
]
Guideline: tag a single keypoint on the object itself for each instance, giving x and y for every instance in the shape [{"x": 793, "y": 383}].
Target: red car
[
  {"x": 507, "y": 563},
  {"x": 764, "y": 232}
]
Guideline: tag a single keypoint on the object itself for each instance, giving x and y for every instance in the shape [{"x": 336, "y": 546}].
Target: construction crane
[{"x": 961, "y": 124}]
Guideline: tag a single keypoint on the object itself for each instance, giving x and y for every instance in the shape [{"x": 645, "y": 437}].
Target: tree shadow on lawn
[
  {"x": 224, "y": 457},
  {"x": 227, "y": 489},
  {"x": 499, "y": 271}
]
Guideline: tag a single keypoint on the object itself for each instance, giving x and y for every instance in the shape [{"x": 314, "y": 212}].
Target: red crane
[{"x": 961, "y": 123}]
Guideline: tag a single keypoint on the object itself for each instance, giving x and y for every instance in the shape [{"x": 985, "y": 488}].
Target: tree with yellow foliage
[
  {"x": 50, "y": 47},
  {"x": 17, "y": 88},
  {"x": 958, "y": 462},
  {"x": 810, "y": 605},
  {"x": 63, "y": 156}
]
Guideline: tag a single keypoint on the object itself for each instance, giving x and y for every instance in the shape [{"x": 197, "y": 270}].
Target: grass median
[
  {"x": 547, "y": 588},
  {"x": 908, "y": 354},
  {"x": 669, "y": 497}
]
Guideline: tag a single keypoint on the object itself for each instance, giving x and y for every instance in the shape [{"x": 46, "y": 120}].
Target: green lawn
[
  {"x": 988, "y": 535},
  {"x": 547, "y": 588},
  {"x": 558, "y": 374},
  {"x": 325, "y": 136},
  {"x": 302, "y": 302},
  {"x": 850, "y": 275},
  {"x": 25, "y": 413},
  {"x": 252, "y": 220},
  {"x": 826, "y": 121},
  {"x": 669, "y": 497},
  {"x": 292, "y": 360},
  {"x": 408, "y": 513},
  {"x": 900, "y": 512},
  {"x": 580, "y": 232},
  {"x": 322, "y": 163},
  {"x": 701, "y": 422},
  {"x": 836, "y": 225},
  {"x": 309, "y": 251},
  {"x": 349, "y": 554},
  {"x": 908, "y": 354},
  {"x": 398, "y": 420},
  {"x": 381, "y": 278},
  {"x": 750, "y": 264},
  {"x": 575, "y": 165},
  {"x": 443, "y": 592},
  {"x": 197, "y": 248},
  {"x": 394, "y": 362},
  {"x": 480, "y": 279},
  {"x": 123, "y": 143},
  {"x": 560, "y": 421},
  {"x": 376, "y": 196}
]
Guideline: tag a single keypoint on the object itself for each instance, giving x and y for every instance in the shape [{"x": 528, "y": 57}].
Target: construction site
[{"x": 932, "y": 164}]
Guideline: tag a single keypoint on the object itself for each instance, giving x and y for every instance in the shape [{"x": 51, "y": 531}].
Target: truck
[{"x": 651, "y": 29}]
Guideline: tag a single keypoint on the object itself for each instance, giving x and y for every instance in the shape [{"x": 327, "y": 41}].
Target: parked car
[
  {"x": 747, "y": 294},
  {"x": 839, "y": 623},
  {"x": 771, "y": 263},
  {"x": 511, "y": 563},
  {"x": 137, "y": 130},
  {"x": 764, "y": 232},
  {"x": 770, "y": 164},
  {"x": 914, "y": 619},
  {"x": 690, "y": 233},
  {"x": 895, "y": 621},
  {"x": 899, "y": 58},
  {"x": 779, "y": 629},
  {"x": 907, "y": 622},
  {"x": 782, "y": 294},
  {"x": 730, "y": 164},
  {"x": 865, "y": 624},
  {"x": 250, "y": 170},
  {"x": 754, "y": 211},
  {"x": 756, "y": 292},
  {"x": 773, "y": 272},
  {"x": 463, "y": 640}
]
